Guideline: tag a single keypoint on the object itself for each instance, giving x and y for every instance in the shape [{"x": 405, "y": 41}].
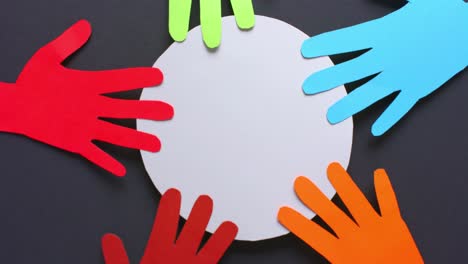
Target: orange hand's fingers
[
  {"x": 125, "y": 137},
  {"x": 102, "y": 159},
  {"x": 218, "y": 243},
  {"x": 67, "y": 43},
  {"x": 165, "y": 225},
  {"x": 113, "y": 250},
  {"x": 194, "y": 229},
  {"x": 113, "y": 81},
  {"x": 311, "y": 196},
  {"x": 151, "y": 110},
  {"x": 311, "y": 233},
  {"x": 352, "y": 197},
  {"x": 385, "y": 195}
]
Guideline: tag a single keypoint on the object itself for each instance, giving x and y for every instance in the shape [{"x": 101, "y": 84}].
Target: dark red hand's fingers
[
  {"x": 190, "y": 238},
  {"x": 102, "y": 159},
  {"x": 152, "y": 110},
  {"x": 113, "y": 250},
  {"x": 218, "y": 243},
  {"x": 113, "y": 81},
  {"x": 125, "y": 137},
  {"x": 165, "y": 227},
  {"x": 67, "y": 43}
]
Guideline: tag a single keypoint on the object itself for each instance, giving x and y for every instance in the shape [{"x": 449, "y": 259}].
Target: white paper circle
[{"x": 243, "y": 129}]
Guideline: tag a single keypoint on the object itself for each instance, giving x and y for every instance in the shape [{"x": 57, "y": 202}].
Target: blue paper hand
[{"x": 414, "y": 50}]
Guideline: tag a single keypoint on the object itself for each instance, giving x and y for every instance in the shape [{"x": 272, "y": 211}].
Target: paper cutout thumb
[
  {"x": 163, "y": 247},
  {"x": 368, "y": 239},
  {"x": 63, "y": 107}
]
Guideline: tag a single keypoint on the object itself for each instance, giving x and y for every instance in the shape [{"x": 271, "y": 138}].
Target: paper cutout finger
[
  {"x": 415, "y": 50},
  {"x": 210, "y": 19},
  {"x": 368, "y": 238},
  {"x": 62, "y": 107},
  {"x": 163, "y": 247},
  {"x": 113, "y": 250}
]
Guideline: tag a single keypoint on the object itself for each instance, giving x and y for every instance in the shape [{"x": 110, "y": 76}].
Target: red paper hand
[
  {"x": 62, "y": 107},
  {"x": 162, "y": 245}
]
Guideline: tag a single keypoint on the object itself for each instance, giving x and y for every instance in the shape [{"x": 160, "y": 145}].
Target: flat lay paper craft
[
  {"x": 244, "y": 129},
  {"x": 162, "y": 245},
  {"x": 369, "y": 238},
  {"x": 210, "y": 19},
  {"x": 414, "y": 51},
  {"x": 61, "y": 107}
]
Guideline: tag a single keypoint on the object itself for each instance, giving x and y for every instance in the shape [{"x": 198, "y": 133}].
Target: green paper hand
[{"x": 210, "y": 18}]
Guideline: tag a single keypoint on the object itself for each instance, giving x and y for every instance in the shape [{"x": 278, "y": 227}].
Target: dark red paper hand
[
  {"x": 162, "y": 245},
  {"x": 62, "y": 107}
]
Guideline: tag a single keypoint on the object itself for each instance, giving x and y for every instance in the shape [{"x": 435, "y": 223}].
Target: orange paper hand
[{"x": 371, "y": 238}]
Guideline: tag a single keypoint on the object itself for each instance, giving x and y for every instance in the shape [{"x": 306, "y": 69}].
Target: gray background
[{"x": 54, "y": 206}]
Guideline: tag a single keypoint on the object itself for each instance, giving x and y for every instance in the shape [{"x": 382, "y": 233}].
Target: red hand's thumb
[{"x": 113, "y": 250}]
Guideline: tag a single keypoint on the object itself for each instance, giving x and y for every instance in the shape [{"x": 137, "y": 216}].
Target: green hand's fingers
[
  {"x": 179, "y": 18},
  {"x": 210, "y": 18},
  {"x": 244, "y": 12}
]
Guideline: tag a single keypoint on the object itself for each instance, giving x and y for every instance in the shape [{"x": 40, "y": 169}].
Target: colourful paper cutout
[
  {"x": 210, "y": 19},
  {"x": 162, "y": 245},
  {"x": 250, "y": 128},
  {"x": 371, "y": 238},
  {"x": 179, "y": 18},
  {"x": 62, "y": 107},
  {"x": 415, "y": 50}
]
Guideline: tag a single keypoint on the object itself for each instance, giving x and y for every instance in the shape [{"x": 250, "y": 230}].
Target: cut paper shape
[
  {"x": 371, "y": 238},
  {"x": 210, "y": 19},
  {"x": 162, "y": 245},
  {"x": 414, "y": 51},
  {"x": 61, "y": 107},
  {"x": 243, "y": 123}
]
